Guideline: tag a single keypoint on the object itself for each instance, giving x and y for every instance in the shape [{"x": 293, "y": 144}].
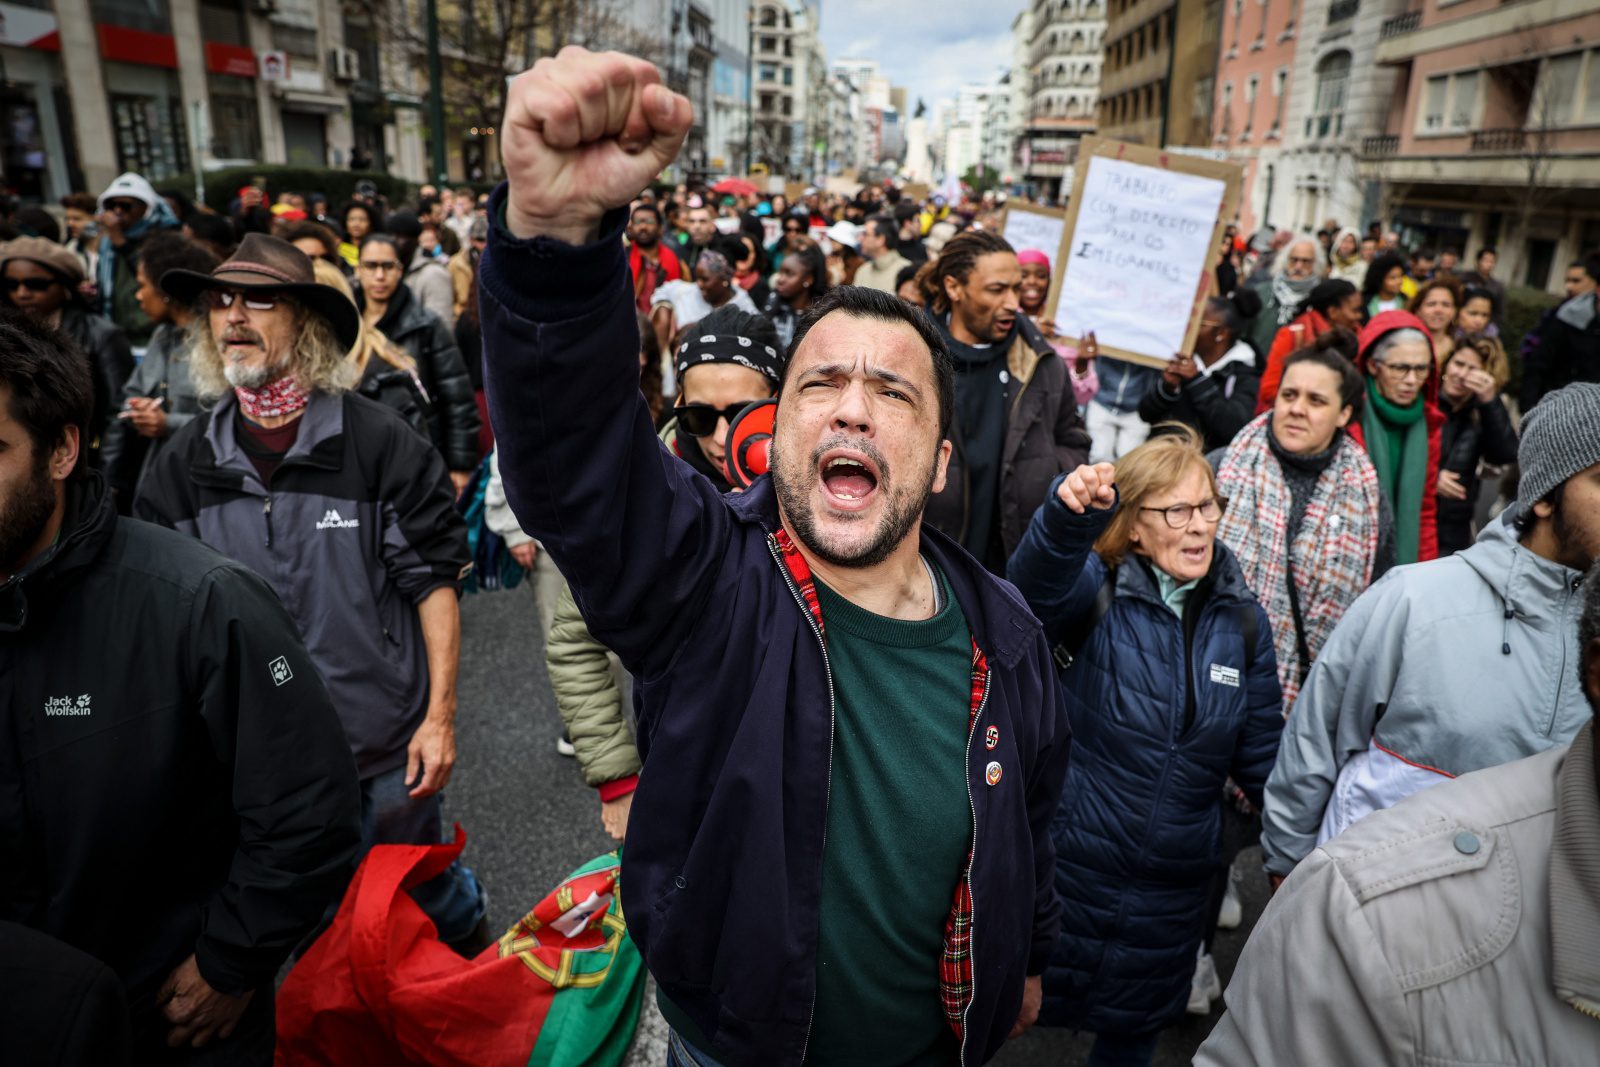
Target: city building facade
[
  {"x": 1065, "y": 58},
  {"x": 1159, "y": 76},
  {"x": 1254, "y": 72}
]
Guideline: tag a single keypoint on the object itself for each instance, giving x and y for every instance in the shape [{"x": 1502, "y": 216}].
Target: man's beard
[
  {"x": 901, "y": 515},
  {"x": 24, "y": 513},
  {"x": 647, "y": 242},
  {"x": 248, "y": 376}
]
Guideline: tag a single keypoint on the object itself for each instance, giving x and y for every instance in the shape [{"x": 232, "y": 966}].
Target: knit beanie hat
[{"x": 1560, "y": 437}]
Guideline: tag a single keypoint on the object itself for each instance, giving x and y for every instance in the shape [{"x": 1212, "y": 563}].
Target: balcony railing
[
  {"x": 1342, "y": 10},
  {"x": 1384, "y": 144},
  {"x": 1400, "y": 24},
  {"x": 1505, "y": 140}
]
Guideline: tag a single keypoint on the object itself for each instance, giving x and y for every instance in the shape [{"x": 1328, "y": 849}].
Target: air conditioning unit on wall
[{"x": 345, "y": 64}]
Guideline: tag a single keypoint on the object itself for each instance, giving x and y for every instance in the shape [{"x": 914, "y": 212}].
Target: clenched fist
[
  {"x": 1089, "y": 487},
  {"x": 583, "y": 133}
]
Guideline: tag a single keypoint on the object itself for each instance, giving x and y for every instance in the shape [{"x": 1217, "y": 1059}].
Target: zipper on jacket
[
  {"x": 827, "y": 795},
  {"x": 266, "y": 514},
  {"x": 972, "y": 860}
]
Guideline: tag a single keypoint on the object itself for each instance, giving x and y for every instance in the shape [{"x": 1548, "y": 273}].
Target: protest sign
[
  {"x": 1142, "y": 233},
  {"x": 1030, "y": 226}
]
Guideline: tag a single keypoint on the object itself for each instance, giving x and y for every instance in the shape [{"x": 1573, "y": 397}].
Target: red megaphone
[{"x": 749, "y": 442}]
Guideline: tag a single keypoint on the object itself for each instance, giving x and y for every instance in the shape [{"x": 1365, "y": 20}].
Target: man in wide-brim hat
[{"x": 349, "y": 514}]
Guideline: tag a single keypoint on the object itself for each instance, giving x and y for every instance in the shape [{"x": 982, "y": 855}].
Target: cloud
[{"x": 930, "y": 48}]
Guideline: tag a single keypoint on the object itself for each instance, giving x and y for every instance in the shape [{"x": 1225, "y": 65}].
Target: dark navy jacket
[
  {"x": 722, "y": 876},
  {"x": 1138, "y": 834}
]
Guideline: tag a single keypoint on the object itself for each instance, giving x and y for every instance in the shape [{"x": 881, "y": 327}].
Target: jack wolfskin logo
[
  {"x": 1225, "y": 675},
  {"x": 67, "y": 705},
  {"x": 280, "y": 671},
  {"x": 334, "y": 521}
]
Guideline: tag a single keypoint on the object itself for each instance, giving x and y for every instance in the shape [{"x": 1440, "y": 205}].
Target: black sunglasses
[
  {"x": 700, "y": 420},
  {"x": 33, "y": 285}
]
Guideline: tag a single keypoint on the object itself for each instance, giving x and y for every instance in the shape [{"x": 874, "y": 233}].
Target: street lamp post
[
  {"x": 436, "y": 95},
  {"x": 750, "y": 95}
]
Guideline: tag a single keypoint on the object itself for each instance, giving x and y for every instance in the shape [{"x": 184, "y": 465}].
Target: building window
[
  {"x": 1559, "y": 91},
  {"x": 769, "y": 17},
  {"x": 235, "y": 121},
  {"x": 1449, "y": 102},
  {"x": 1333, "y": 81},
  {"x": 1251, "y": 87},
  {"x": 148, "y": 15},
  {"x": 223, "y": 23},
  {"x": 150, "y": 133},
  {"x": 767, "y": 73},
  {"x": 788, "y": 75},
  {"x": 769, "y": 44}
]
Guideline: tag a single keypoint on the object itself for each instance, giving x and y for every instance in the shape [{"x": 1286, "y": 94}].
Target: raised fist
[
  {"x": 1089, "y": 487},
  {"x": 583, "y": 133}
]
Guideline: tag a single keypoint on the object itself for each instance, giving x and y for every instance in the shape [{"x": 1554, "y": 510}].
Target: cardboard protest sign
[
  {"x": 1029, "y": 226},
  {"x": 1142, "y": 234},
  {"x": 916, "y": 192}
]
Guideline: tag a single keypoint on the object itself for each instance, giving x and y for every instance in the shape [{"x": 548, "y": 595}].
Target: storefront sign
[
  {"x": 230, "y": 59},
  {"x": 274, "y": 67},
  {"x": 26, "y": 27}
]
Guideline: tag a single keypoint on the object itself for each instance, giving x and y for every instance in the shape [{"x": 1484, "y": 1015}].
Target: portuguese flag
[{"x": 561, "y": 988}]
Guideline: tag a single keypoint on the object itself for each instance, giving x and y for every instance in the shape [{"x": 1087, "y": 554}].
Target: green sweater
[{"x": 899, "y": 830}]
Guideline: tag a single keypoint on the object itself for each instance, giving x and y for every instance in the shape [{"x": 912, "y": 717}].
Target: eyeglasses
[
  {"x": 382, "y": 266},
  {"x": 794, "y": 229},
  {"x": 1403, "y": 371},
  {"x": 1178, "y": 515},
  {"x": 1304, "y": 260},
  {"x": 33, "y": 285},
  {"x": 700, "y": 420},
  {"x": 221, "y": 299}
]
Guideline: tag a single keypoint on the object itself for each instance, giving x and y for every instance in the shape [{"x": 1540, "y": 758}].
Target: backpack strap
[
  {"x": 1247, "y": 627},
  {"x": 1066, "y": 651}
]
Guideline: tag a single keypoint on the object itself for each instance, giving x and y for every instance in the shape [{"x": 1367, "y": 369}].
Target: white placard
[
  {"x": 1033, "y": 229},
  {"x": 1142, "y": 242}
]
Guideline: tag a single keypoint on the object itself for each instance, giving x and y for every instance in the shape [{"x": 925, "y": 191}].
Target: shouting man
[{"x": 852, "y": 736}]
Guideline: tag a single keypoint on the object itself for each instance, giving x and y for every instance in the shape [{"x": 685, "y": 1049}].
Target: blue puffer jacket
[{"x": 1138, "y": 833}]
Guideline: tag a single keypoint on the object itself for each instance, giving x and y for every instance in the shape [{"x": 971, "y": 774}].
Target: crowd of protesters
[{"x": 1009, "y": 629}]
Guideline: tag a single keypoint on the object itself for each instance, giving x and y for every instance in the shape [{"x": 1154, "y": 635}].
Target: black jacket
[
  {"x": 1569, "y": 350},
  {"x": 110, "y": 364},
  {"x": 173, "y": 778},
  {"x": 1044, "y": 437},
  {"x": 453, "y": 421},
  {"x": 357, "y": 526},
  {"x": 1471, "y": 433},
  {"x": 1218, "y": 402}
]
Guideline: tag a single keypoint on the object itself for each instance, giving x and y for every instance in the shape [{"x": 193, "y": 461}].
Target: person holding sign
[
  {"x": 1016, "y": 426},
  {"x": 1213, "y": 390}
]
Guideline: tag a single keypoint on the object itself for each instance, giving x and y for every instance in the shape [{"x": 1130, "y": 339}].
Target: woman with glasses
[
  {"x": 1171, "y": 686},
  {"x": 794, "y": 232},
  {"x": 1400, "y": 427},
  {"x": 388, "y": 307},
  {"x": 44, "y": 281},
  {"x": 729, "y": 360},
  {"x": 1477, "y": 429}
]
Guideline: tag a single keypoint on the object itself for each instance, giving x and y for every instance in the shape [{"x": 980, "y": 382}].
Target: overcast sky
[{"x": 932, "y": 47}]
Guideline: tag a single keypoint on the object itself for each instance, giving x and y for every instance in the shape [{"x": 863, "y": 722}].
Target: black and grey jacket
[
  {"x": 173, "y": 778},
  {"x": 164, "y": 374},
  {"x": 357, "y": 527},
  {"x": 452, "y": 416},
  {"x": 110, "y": 361}
]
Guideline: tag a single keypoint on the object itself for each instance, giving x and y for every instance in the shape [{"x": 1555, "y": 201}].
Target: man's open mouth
[{"x": 849, "y": 479}]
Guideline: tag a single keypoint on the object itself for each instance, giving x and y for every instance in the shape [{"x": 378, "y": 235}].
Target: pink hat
[{"x": 1034, "y": 256}]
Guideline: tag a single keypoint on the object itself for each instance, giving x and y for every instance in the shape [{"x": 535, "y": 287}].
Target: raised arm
[
  {"x": 1051, "y": 567},
  {"x": 634, "y": 531}
]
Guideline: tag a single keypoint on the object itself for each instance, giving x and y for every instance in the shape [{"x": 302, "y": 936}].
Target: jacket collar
[
  {"x": 89, "y": 522},
  {"x": 319, "y": 443},
  {"x": 1223, "y": 583},
  {"x": 1575, "y": 879},
  {"x": 996, "y": 614}
]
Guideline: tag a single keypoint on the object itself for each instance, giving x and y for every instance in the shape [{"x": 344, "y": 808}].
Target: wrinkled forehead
[{"x": 858, "y": 347}]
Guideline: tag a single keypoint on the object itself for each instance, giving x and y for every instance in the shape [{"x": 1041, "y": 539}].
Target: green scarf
[{"x": 1397, "y": 442}]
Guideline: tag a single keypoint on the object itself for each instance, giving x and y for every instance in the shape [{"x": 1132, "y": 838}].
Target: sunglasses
[
  {"x": 123, "y": 207},
  {"x": 700, "y": 420},
  {"x": 33, "y": 285},
  {"x": 222, "y": 299}
]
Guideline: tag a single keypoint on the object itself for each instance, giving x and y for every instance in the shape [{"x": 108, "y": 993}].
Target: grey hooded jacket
[
  {"x": 357, "y": 526},
  {"x": 1439, "y": 669},
  {"x": 1460, "y": 927}
]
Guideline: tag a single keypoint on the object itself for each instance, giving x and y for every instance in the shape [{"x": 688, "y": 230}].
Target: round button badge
[{"x": 991, "y": 774}]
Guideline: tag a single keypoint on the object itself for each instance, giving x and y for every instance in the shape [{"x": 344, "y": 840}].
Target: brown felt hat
[
  {"x": 265, "y": 263},
  {"x": 57, "y": 259}
]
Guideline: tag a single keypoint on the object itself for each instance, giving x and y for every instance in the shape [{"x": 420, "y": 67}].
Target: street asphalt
[{"x": 530, "y": 820}]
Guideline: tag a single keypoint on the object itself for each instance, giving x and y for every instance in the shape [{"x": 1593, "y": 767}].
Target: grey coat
[
  {"x": 1440, "y": 669},
  {"x": 1459, "y": 927},
  {"x": 164, "y": 373}
]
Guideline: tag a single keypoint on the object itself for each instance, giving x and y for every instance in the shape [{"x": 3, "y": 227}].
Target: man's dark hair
[
  {"x": 816, "y": 264},
  {"x": 1424, "y": 253},
  {"x": 905, "y": 212},
  {"x": 887, "y": 230},
  {"x": 84, "y": 202},
  {"x": 50, "y": 383},
  {"x": 729, "y": 320},
  {"x": 732, "y": 248},
  {"x": 1487, "y": 250},
  {"x": 426, "y": 205},
  {"x": 166, "y": 250},
  {"x": 217, "y": 229},
  {"x": 1591, "y": 266},
  {"x": 1325, "y": 295},
  {"x": 907, "y": 274},
  {"x": 1328, "y": 350},
  {"x": 37, "y": 222},
  {"x": 1589, "y": 632},
  {"x": 863, "y": 303},
  {"x": 404, "y": 224},
  {"x": 317, "y": 232},
  {"x": 957, "y": 260},
  {"x": 647, "y": 209}
]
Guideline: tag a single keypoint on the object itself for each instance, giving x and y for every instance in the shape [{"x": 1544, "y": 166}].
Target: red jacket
[
  {"x": 1284, "y": 344},
  {"x": 646, "y": 280},
  {"x": 1384, "y": 323}
]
